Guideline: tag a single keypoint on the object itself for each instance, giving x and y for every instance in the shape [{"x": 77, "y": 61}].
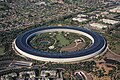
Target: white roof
[
  {"x": 79, "y": 19},
  {"x": 109, "y": 21},
  {"x": 51, "y": 72},
  {"x": 51, "y": 47},
  {"x": 81, "y": 15},
  {"x": 117, "y": 9},
  {"x": 98, "y": 25},
  {"x": 105, "y": 13},
  {"x": 40, "y": 3}
]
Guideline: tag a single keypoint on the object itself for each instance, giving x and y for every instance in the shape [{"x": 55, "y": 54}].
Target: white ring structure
[{"x": 21, "y": 45}]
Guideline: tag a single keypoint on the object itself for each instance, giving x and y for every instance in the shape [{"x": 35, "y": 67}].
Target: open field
[
  {"x": 62, "y": 39},
  {"x": 113, "y": 41},
  {"x": 116, "y": 48},
  {"x": 1, "y": 50}
]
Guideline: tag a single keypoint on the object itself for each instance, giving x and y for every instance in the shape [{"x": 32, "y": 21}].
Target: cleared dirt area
[
  {"x": 88, "y": 75},
  {"x": 103, "y": 78},
  {"x": 74, "y": 46},
  {"x": 104, "y": 66},
  {"x": 112, "y": 56}
]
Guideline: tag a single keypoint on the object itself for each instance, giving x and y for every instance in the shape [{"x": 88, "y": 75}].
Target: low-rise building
[
  {"x": 40, "y": 3},
  {"x": 98, "y": 25},
  {"x": 80, "y": 19},
  {"x": 30, "y": 73},
  {"x": 21, "y": 63},
  {"x": 50, "y": 72},
  {"x": 58, "y": 1},
  {"x": 117, "y": 9},
  {"x": 82, "y": 16},
  {"x": 8, "y": 76},
  {"x": 109, "y": 21}
]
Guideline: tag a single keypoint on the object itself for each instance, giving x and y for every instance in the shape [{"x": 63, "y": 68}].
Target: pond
[{"x": 44, "y": 42}]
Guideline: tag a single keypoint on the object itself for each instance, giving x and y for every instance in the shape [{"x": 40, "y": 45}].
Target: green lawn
[
  {"x": 62, "y": 39},
  {"x": 1, "y": 50}
]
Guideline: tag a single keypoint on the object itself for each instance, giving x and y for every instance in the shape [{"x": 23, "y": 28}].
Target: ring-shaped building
[{"x": 21, "y": 45}]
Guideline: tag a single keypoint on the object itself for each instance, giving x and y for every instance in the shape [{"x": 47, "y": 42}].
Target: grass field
[
  {"x": 1, "y": 50},
  {"x": 116, "y": 48},
  {"x": 62, "y": 39}
]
